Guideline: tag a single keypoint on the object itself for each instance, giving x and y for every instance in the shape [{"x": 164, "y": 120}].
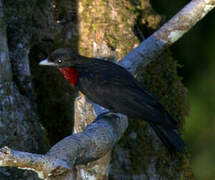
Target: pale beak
[{"x": 45, "y": 62}]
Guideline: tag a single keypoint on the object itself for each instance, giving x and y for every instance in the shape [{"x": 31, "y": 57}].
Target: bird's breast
[{"x": 70, "y": 74}]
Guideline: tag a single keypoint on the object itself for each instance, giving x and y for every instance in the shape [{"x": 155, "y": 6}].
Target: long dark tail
[{"x": 170, "y": 138}]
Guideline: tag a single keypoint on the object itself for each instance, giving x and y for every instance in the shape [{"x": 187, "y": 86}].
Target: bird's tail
[{"x": 170, "y": 138}]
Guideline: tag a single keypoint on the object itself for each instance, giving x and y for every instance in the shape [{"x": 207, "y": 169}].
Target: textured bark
[
  {"x": 103, "y": 141},
  {"x": 96, "y": 141},
  {"x": 45, "y": 166},
  {"x": 168, "y": 34},
  {"x": 107, "y": 29},
  {"x": 19, "y": 123}
]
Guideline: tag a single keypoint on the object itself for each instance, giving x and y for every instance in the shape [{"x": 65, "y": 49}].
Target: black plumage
[{"x": 113, "y": 87}]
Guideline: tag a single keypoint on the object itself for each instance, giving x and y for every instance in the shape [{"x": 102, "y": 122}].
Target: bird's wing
[
  {"x": 135, "y": 102},
  {"x": 116, "y": 89}
]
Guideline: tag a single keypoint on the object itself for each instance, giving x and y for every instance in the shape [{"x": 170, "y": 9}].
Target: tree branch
[
  {"x": 81, "y": 148},
  {"x": 94, "y": 142},
  {"x": 45, "y": 166},
  {"x": 169, "y": 33},
  {"x": 99, "y": 137}
]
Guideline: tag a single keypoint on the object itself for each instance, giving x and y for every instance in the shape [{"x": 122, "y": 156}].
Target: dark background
[{"x": 195, "y": 52}]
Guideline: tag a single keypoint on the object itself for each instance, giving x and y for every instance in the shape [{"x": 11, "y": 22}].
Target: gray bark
[
  {"x": 18, "y": 105},
  {"x": 19, "y": 122},
  {"x": 96, "y": 141},
  {"x": 168, "y": 34}
]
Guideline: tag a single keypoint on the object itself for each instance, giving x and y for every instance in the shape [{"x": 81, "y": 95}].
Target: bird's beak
[{"x": 45, "y": 62}]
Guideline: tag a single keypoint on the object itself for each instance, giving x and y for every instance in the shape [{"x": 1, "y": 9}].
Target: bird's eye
[{"x": 59, "y": 61}]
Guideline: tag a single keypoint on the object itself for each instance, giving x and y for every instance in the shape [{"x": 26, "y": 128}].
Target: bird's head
[{"x": 63, "y": 57}]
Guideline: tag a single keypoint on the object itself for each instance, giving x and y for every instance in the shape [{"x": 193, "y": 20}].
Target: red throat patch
[{"x": 70, "y": 74}]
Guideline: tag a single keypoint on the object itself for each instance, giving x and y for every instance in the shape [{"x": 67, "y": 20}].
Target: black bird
[{"x": 114, "y": 88}]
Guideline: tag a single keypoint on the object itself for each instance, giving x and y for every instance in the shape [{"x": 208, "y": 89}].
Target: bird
[{"x": 113, "y": 87}]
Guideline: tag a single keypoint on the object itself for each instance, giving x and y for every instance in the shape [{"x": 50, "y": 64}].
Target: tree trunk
[
  {"x": 107, "y": 29},
  {"x": 18, "y": 118}
]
